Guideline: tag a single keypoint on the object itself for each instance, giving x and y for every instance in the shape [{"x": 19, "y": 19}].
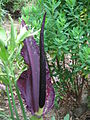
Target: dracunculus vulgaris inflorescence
[{"x": 35, "y": 83}]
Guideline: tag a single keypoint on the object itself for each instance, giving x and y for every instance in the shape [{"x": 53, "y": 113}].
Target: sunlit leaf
[
  {"x": 24, "y": 34},
  {"x": 67, "y": 117},
  {"x": 13, "y": 35},
  {"x": 3, "y": 51},
  {"x": 57, "y": 4},
  {"x": 3, "y": 36},
  {"x": 53, "y": 118}
]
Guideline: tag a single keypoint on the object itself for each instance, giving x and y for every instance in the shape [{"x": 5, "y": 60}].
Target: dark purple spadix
[
  {"x": 42, "y": 90},
  {"x": 35, "y": 83}
]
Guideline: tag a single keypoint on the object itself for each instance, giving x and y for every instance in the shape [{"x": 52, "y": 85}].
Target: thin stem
[
  {"x": 21, "y": 103},
  {"x": 10, "y": 106},
  {"x": 13, "y": 100},
  {"x": 10, "y": 86},
  {"x": 58, "y": 65},
  {"x": 19, "y": 97}
]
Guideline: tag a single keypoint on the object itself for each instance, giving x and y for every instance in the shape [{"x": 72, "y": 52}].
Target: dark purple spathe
[
  {"x": 31, "y": 58},
  {"x": 29, "y": 81}
]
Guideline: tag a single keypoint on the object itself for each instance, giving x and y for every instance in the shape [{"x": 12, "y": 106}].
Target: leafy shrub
[{"x": 66, "y": 41}]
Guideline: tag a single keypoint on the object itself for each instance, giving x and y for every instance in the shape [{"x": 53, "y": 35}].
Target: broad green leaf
[{"x": 67, "y": 117}]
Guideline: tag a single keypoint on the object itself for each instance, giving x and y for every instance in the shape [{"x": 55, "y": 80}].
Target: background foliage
[{"x": 66, "y": 41}]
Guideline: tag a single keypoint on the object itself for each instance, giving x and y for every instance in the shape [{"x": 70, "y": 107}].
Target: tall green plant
[{"x": 6, "y": 56}]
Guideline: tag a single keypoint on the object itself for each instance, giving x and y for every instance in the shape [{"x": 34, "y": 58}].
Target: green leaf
[
  {"x": 21, "y": 103},
  {"x": 10, "y": 106},
  {"x": 3, "y": 52},
  {"x": 3, "y": 36},
  {"x": 67, "y": 117},
  {"x": 35, "y": 118},
  {"x": 56, "y": 5},
  {"x": 13, "y": 35},
  {"x": 71, "y": 3},
  {"x": 3, "y": 80},
  {"x": 47, "y": 7},
  {"x": 53, "y": 118},
  {"x": 88, "y": 62},
  {"x": 81, "y": 57},
  {"x": 24, "y": 34},
  {"x": 4, "y": 116}
]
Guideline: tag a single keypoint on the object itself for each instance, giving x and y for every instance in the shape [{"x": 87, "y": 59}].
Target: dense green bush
[{"x": 66, "y": 40}]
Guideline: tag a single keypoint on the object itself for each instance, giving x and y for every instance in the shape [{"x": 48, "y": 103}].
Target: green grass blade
[
  {"x": 10, "y": 106},
  {"x": 18, "y": 94},
  {"x": 12, "y": 96},
  {"x": 13, "y": 100},
  {"x": 5, "y": 116},
  {"x": 21, "y": 103}
]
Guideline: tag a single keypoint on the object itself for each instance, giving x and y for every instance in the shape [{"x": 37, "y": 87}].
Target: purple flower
[{"x": 35, "y": 83}]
